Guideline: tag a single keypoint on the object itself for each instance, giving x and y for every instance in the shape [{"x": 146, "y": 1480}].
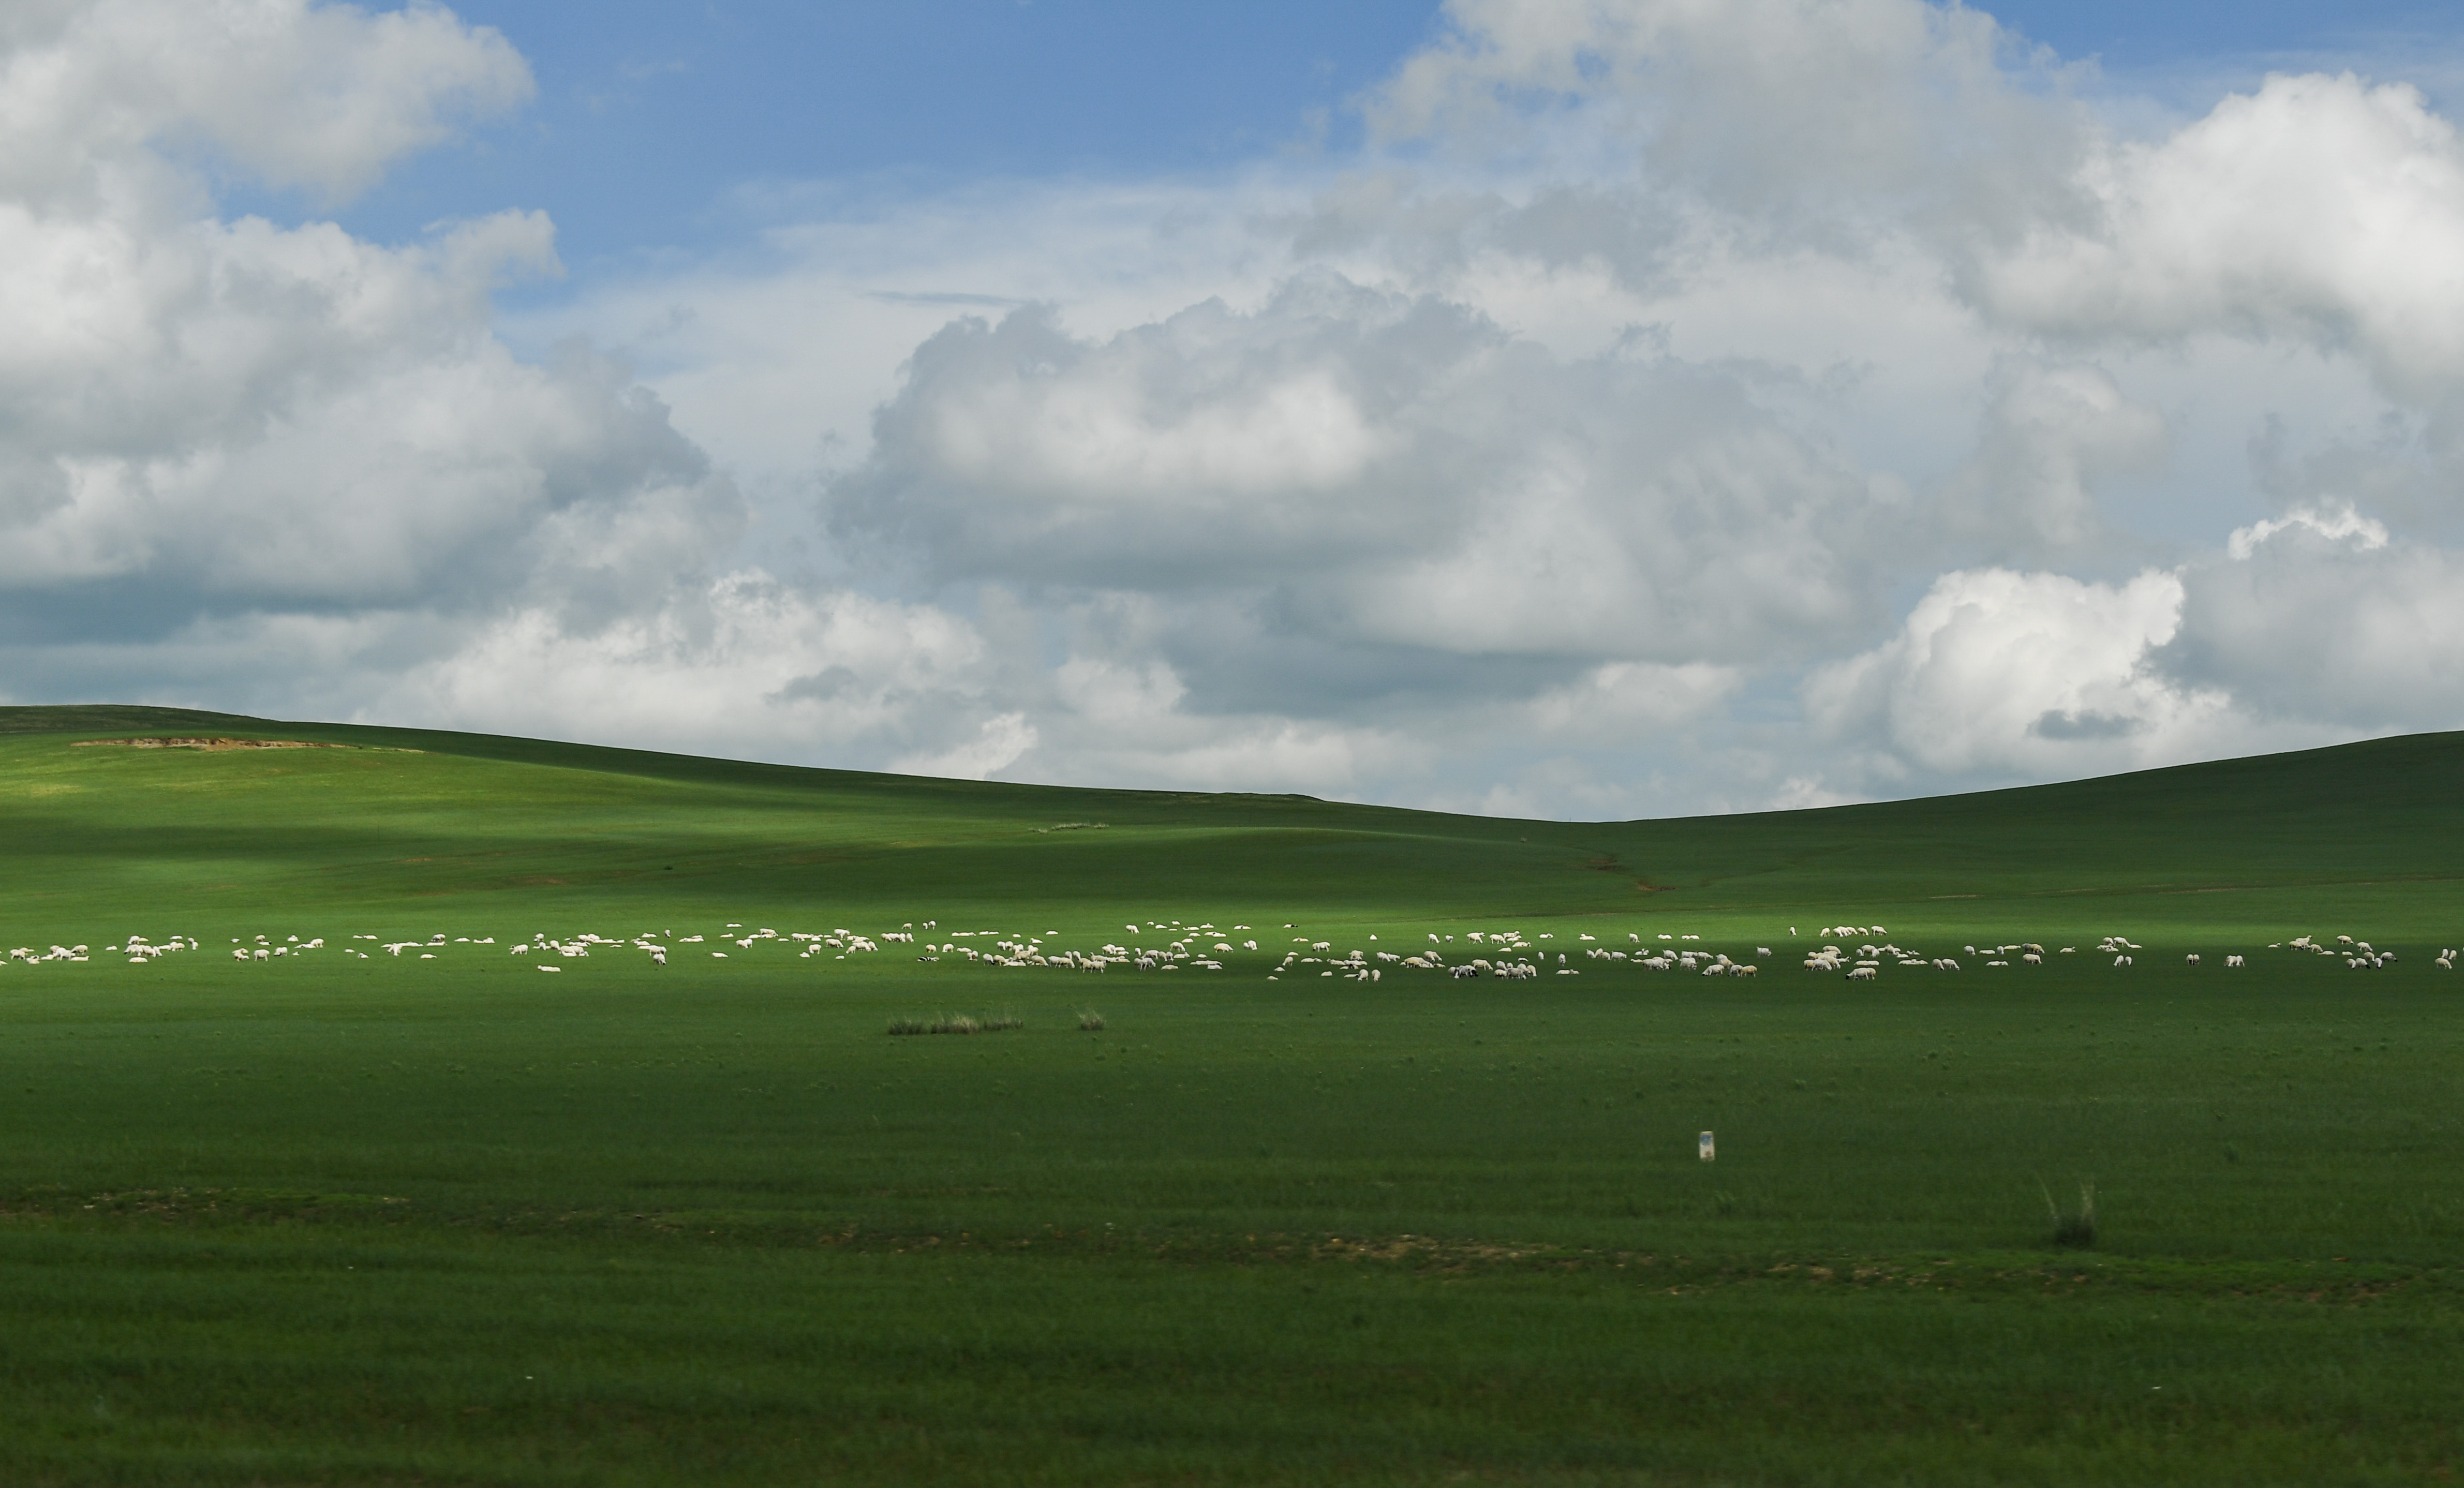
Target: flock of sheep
[
  {"x": 1506, "y": 954},
  {"x": 2357, "y": 955}
]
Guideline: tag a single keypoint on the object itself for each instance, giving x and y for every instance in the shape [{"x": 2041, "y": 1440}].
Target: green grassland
[{"x": 349, "y": 1215}]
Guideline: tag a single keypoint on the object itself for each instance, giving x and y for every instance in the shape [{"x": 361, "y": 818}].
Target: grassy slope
[
  {"x": 457, "y": 1222},
  {"x": 2282, "y": 839}
]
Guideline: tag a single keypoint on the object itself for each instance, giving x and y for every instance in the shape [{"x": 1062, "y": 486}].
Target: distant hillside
[
  {"x": 103, "y": 717},
  {"x": 2363, "y": 828}
]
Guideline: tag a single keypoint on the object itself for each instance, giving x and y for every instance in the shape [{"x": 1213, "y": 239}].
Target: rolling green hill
[
  {"x": 404, "y": 816},
  {"x": 343, "y": 1189}
]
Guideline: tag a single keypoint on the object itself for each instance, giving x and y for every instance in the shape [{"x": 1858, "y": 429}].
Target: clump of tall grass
[
  {"x": 1090, "y": 1023},
  {"x": 2075, "y": 1228},
  {"x": 957, "y": 1023}
]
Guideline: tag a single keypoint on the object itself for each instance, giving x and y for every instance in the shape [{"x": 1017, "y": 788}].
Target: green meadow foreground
[{"x": 403, "y": 1208}]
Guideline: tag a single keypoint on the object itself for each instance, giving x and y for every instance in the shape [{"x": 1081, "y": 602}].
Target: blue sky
[
  {"x": 1567, "y": 407},
  {"x": 649, "y": 112}
]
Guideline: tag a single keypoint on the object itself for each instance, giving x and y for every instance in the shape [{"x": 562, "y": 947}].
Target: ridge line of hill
[{"x": 2427, "y": 768}]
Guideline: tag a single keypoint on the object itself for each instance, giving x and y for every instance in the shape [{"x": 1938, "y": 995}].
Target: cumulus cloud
[
  {"x": 98, "y": 97},
  {"x": 213, "y": 429},
  {"x": 744, "y": 666},
  {"x": 2320, "y": 617},
  {"x": 1656, "y": 359},
  {"x": 2326, "y": 209},
  {"x": 1626, "y": 699},
  {"x": 1996, "y": 671},
  {"x": 2053, "y": 436},
  {"x": 201, "y": 416},
  {"x": 998, "y": 741},
  {"x": 1788, "y": 115},
  {"x": 1387, "y": 470}
]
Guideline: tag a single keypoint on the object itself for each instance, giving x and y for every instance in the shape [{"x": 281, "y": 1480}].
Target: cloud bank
[{"x": 1674, "y": 407}]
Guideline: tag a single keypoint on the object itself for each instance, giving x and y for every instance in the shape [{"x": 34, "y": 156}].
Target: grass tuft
[
  {"x": 2073, "y": 1229},
  {"x": 957, "y": 1023},
  {"x": 1090, "y": 1023}
]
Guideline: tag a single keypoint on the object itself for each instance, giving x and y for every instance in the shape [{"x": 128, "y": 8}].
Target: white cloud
[
  {"x": 2052, "y": 436},
  {"x": 1702, "y": 337},
  {"x": 292, "y": 93},
  {"x": 1784, "y": 112},
  {"x": 1111, "y": 722},
  {"x": 2343, "y": 524},
  {"x": 208, "y": 424},
  {"x": 2324, "y": 209},
  {"x": 1807, "y": 793},
  {"x": 1999, "y": 673},
  {"x": 995, "y": 746},
  {"x": 1392, "y": 470},
  {"x": 2320, "y": 618},
  {"x": 1622, "y": 700},
  {"x": 744, "y": 667},
  {"x": 777, "y": 353}
]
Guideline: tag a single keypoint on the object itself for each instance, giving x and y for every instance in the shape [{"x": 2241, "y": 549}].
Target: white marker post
[{"x": 1702, "y": 1147}]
